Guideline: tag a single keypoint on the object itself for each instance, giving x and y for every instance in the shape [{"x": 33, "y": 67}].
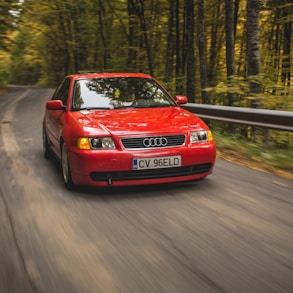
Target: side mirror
[
  {"x": 181, "y": 100},
  {"x": 55, "y": 105}
]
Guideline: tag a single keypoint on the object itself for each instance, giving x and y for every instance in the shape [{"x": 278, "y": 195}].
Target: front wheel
[{"x": 66, "y": 172}]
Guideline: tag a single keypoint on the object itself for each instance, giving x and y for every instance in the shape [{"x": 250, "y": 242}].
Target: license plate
[{"x": 156, "y": 163}]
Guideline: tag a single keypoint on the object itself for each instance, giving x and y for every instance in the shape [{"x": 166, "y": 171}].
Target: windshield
[{"x": 118, "y": 92}]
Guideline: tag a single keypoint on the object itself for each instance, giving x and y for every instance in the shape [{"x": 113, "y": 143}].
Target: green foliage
[
  {"x": 274, "y": 96},
  {"x": 3, "y": 78},
  {"x": 4, "y": 69},
  {"x": 24, "y": 62},
  {"x": 8, "y": 13},
  {"x": 277, "y": 152}
]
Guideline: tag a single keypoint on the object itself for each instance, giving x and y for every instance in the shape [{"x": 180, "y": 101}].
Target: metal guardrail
[{"x": 273, "y": 119}]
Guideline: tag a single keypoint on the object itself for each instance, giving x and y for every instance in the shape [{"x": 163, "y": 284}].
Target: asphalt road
[{"x": 232, "y": 232}]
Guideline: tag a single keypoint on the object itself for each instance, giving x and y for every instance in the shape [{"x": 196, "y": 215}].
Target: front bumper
[{"x": 115, "y": 167}]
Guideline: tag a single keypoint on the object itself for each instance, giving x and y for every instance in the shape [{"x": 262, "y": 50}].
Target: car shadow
[{"x": 115, "y": 193}]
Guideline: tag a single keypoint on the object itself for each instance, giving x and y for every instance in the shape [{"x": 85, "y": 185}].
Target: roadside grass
[{"x": 258, "y": 155}]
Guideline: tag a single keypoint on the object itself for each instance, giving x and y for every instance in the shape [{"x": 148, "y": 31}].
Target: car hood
[{"x": 131, "y": 121}]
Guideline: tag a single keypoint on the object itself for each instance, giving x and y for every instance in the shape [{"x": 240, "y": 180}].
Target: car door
[{"x": 54, "y": 117}]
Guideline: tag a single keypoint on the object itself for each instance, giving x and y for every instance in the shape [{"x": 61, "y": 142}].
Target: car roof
[{"x": 82, "y": 75}]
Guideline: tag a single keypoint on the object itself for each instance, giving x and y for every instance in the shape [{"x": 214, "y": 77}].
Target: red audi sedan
[{"x": 115, "y": 129}]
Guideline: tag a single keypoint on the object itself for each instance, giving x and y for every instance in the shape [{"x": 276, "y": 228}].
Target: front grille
[
  {"x": 138, "y": 142},
  {"x": 151, "y": 174}
]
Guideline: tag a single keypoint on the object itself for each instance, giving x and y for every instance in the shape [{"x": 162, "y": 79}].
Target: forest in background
[{"x": 229, "y": 52}]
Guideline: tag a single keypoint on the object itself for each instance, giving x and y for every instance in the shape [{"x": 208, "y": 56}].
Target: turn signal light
[{"x": 83, "y": 143}]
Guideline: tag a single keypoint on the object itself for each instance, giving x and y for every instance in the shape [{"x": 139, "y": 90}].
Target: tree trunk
[
  {"x": 132, "y": 36},
  {"x": 145, "y": 35},
  {"x": 178, "y": 47},
  {"x": 170, "y": 44},
  {"x": 190, "y": 59},
  {"x": 236, "y": 9},
  {"x": 253, "y": 51},
  {"x": 253, "y": 56},
  {"x": 106, "y": 50},
  {"x": 202, "y": 52},
  {"x": 286, "y": 72},
  {"x": 230, "y": 42},
  {"x": 214, "y": 44}
]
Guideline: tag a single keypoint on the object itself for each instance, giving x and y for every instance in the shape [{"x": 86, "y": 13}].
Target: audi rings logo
[{"x": 153, "y": 142}]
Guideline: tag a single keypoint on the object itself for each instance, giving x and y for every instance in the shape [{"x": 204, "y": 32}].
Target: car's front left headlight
[
  {"x": 201, "y": 136},
  {"x": 95, "y": 143}
]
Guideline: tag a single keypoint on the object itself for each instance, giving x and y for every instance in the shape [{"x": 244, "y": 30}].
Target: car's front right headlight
[
  {"x": 95, "y": 143},
  {"x": 201, "y": 136}
]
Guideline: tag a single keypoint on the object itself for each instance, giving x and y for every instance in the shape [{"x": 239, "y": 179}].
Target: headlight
[
  {"x": 95, "y": 143},
  {"x": 201, "y": 136}
]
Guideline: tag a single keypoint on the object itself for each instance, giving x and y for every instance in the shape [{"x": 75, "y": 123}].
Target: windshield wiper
[
  {"x": 125, "y": 107},
  {"x": 142, "y": 106},
  {"x": 159, "y": 106},
  {"x": 92, "y": 108}
]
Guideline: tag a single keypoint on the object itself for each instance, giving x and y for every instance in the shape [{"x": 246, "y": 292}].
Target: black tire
[
  {"x": 66, "y": 172},
  {"x": 46, "y": 149}
]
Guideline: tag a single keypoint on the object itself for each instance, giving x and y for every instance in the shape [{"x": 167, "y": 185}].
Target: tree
[
  {"x": 230, "y": 47},
  {"x": 202, "y": 52},
  {"x": 215, "y": 39},
  {"x": 279, "y": 39},
  {"x": 190, "y": 58},
  {"x": 132, "y": 36},
  {"x": 144, "y": 29},
  {"x": 137, "y": 20},
  {"x": 287, "y": 24},
  {"x": 253, "y": 56},
  {"x": 179, "y": 68},
  {"x": 253, "y": 51},
  {"x": 170, "y": 47}
]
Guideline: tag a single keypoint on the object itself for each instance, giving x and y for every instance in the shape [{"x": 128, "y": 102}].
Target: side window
[{"x": 62, "y": 91}]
